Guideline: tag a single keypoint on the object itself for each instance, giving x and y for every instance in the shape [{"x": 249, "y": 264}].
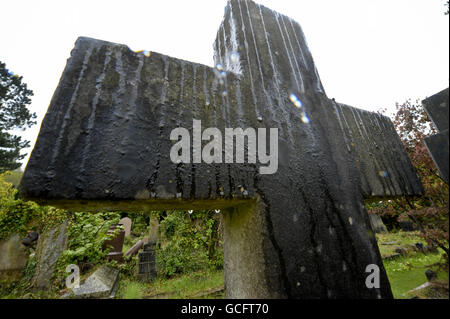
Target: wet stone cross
[{"x": 301, "y": 232}]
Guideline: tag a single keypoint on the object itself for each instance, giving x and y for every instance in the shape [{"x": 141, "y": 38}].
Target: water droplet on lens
[
  {"x": 144, "y": 52},
  {"x": 295, "y": 100},
  {"x": 383, "y": 174},
  {"x": 304, "y": 118},
  {"x": 219, "y": 67},
  {"x": 234, "y": 57}
]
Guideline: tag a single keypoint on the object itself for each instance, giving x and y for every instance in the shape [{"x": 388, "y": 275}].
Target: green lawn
[
  {"x": 407, "y": 273},
  {"x": 194, "y": 285}
]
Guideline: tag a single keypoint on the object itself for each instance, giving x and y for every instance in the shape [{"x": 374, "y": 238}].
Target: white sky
[{"x": 370, "y": 54}]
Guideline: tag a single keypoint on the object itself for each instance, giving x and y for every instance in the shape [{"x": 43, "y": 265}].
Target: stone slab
[
  {"x": 13, "y": 256},
  {"x": 101, "y": 284},
  {"x": 377, "y": 224},
  {"x": 49, "y": 247},
  {"x": 437, "y": 146},
  {"x": 126, "y": 222},
  {"x": 437, "y": 108}
]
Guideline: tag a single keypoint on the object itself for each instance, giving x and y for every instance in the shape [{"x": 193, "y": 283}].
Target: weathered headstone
[
  {"x": 437, "y": 108},
  {"x": 13, "y": 257},
  {"x": 103, "y": 283},
  {"x": 147, "y": 263},
  {"x": 115, "y": 243},
  {"x": 49, "y": 248},
  {"x": 302, "y": 232},
  {"x": 126, "y": 223},
  {"x": 377, "y": 223},
  {"x": 153, "y": 234}
]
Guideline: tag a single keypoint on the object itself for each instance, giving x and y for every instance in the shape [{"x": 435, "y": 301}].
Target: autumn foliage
[{"x": 430, "y": 211}]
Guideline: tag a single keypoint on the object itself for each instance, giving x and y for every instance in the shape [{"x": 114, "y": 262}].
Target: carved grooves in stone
[{"x": 268, "y": 219}]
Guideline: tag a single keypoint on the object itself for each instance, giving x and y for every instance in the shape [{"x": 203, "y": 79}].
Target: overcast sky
[{"x": 370, "y": 54}]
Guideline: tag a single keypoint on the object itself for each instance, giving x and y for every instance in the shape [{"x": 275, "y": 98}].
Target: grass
[
  {"x": 404, "y": 273},
  {"x": 407, "y": 273},
  {"x": 184, "y": 286},
  {"x": 132, "y": 290},
  {"x": 403, "y": 239}
]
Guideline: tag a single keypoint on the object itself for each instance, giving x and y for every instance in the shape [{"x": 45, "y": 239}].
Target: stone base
[
  {"x": 103, "y": 283},
  {"x": 147, "y": 264}
]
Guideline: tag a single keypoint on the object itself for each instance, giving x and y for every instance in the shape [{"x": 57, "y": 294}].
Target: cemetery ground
[
  {"x": 405, "y": 274},
  {"x": 189, "y": 267},
  {"x": 189, "y": 255}
]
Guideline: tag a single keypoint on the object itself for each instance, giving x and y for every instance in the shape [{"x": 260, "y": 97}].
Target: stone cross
[
  {"x": 302, "y": 232},
  {"x": 437, "y": 108}
]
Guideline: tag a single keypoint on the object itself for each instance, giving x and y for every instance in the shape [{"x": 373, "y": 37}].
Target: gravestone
[
  {"x": 147, "y": 263},
  {"x": 103, "y": 283},
  {"x": 50, "y": 246},
  {"x": 115, "y": 243},
  {"x": 437, "y": 109},
  {"x": 14, "y": 257},
  {"x": 153, "y": 234},
  {"x": 302, "y": 232},
  {"x": 126, "y": 223},
  {"x": 377, "y": 223}
]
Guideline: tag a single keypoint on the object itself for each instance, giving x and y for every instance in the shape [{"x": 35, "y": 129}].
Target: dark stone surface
[
  {"x": 437, "y": 108},
  {"x": 30, "y": 238},
  {"x": 437, "y": 146},
  {"x": 431, "y": 275},
  {"x": 115, "y": 244},
  {"x": 147, "y": 263},
  {"x": 407, "y": 226},
  {"x": 301, "y": 233},
  {"x": 420, "y": 247}
]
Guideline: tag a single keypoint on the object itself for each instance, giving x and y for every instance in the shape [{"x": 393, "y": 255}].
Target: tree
[
  {"x": 429, "y": 212},
  {"x": 14, "y": 115}
]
